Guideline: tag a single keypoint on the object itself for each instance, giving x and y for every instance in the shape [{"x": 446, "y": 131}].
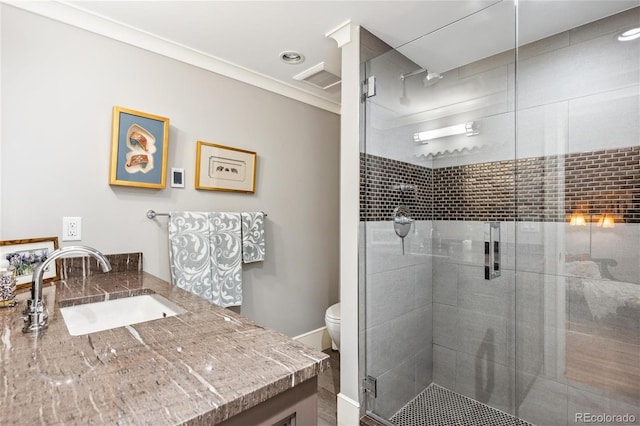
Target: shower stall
[{"x": 500, "y": 219}]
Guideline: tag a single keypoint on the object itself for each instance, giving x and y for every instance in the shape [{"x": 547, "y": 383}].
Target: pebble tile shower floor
[{"x": 437, "y": 406}]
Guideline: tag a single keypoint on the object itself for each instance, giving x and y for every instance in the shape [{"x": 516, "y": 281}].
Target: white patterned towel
[
  {"x": 189, "y": 252},
  {"x": 226, "y": 254},
  {"x": 252, "y": 237}
]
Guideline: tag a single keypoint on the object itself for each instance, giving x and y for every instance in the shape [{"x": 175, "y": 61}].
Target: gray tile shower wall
[
  {"x": 538, "y": 343},
  {"x": 398, "y": 314},
  {"x": 547, "y": 189}
]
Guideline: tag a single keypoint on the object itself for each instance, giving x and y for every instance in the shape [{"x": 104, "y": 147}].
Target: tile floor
[{"x": 439, "y": 406}]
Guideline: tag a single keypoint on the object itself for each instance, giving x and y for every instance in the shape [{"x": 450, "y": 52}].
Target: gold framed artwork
[
  {"x": 25, "y": 255},
  {"x": 139, "y": 147},
  {"x": 223, "y": 168}
]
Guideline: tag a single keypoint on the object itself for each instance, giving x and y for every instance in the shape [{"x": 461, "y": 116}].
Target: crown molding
[
  {"x": 73, "y": 15},
  {"x": 341, "y": 34}
]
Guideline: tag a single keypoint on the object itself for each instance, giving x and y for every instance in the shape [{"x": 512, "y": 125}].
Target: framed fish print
[
  {"x": 223, "y": 168},
  {"x": 139, "y": 147}
]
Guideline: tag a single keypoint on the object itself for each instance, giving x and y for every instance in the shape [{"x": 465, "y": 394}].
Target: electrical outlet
[{"x": 71, "y": 228}]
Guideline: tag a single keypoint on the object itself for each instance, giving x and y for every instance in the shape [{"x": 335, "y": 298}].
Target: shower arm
[{"x": 412, "y": 73}]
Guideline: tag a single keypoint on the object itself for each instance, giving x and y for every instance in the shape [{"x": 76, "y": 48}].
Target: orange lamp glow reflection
[
  {"x": 577, "y": 219},
  {"x": 607, "y": 221}
]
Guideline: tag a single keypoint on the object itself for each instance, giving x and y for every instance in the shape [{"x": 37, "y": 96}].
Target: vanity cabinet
[{"x": 296, "y": 407}]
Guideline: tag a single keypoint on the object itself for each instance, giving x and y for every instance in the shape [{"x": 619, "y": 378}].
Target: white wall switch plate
[{"x": 71, "y": 228}]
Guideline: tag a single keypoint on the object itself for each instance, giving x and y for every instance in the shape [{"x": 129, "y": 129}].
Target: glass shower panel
[
  {"x": 578, "y": 233},
  {"x": 438, "y": 161},
  {"x": 398, "y": 264}
]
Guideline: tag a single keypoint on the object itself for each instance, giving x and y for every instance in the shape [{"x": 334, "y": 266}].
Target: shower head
[{"x": 429, "y": 80}]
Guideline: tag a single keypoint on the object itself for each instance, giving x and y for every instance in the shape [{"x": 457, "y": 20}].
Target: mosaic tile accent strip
[
  {"x": 604, "y": 181},
  {"x": 79, "y": 267},
  {"x": 378, "y": 198},
  {"x": 439, "y": 406},
  {"x": 480, "y": 192},
  {"x": 542, "y": 189}
]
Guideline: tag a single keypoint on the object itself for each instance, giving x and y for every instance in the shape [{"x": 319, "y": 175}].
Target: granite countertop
[{"x": 203, "y": 366}]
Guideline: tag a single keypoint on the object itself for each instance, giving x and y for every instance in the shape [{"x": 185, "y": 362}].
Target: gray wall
[{"x": 59, "y": 85}]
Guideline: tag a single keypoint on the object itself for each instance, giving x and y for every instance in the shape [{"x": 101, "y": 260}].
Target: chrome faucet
[{"x": 37, "y": 317}]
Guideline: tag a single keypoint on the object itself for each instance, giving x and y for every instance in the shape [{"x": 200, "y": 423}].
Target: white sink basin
[{"x": 99, "y": 316}]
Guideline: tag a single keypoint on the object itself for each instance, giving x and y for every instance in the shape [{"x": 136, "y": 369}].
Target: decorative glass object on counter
[{"x": 7, "y": 284}]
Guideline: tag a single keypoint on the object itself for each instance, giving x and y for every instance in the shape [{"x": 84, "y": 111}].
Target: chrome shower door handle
[{"x": 491, "y": 250}]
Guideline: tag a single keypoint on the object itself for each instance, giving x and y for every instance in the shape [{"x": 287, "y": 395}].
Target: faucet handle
[
  {"x": 36, "y": 317},
  {"x": 27, "y": 308}
]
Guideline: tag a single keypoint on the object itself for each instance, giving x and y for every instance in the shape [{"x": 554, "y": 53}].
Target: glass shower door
[{"x": 437, "y": 168}]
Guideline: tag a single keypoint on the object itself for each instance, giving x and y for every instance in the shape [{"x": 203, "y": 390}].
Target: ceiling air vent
[{"x": 317, "y": 76}]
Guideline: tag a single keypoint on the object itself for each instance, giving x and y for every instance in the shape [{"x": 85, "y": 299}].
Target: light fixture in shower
[
  {"x": 629, "y": 35},
  {"x": 469, "y": 129},
  {"x": 429, "y": 80}
]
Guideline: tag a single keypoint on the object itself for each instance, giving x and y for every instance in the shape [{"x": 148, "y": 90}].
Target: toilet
[{"x": 332, "y": 320}]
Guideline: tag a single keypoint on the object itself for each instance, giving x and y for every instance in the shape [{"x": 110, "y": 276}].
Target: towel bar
[{"x": 151, "y": 214}]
